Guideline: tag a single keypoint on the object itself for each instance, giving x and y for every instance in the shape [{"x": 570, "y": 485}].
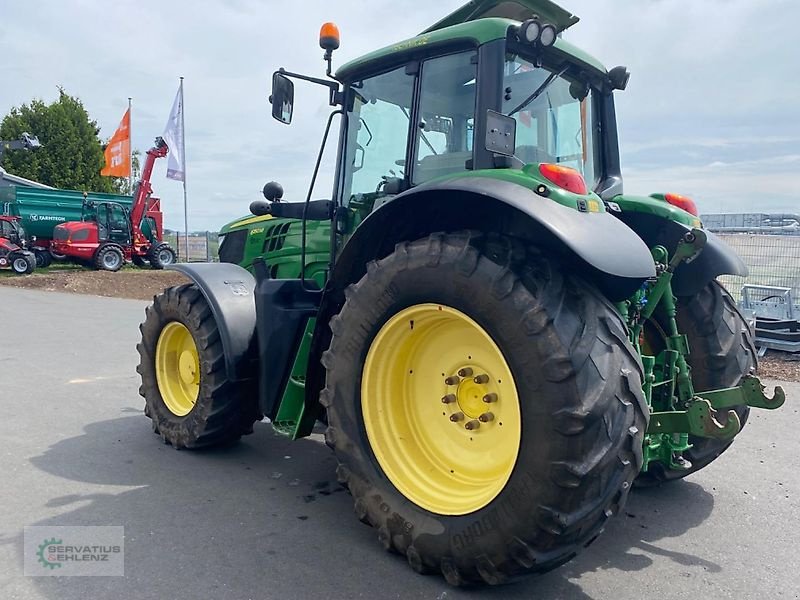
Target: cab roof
[{"x": 474, "y": 32}]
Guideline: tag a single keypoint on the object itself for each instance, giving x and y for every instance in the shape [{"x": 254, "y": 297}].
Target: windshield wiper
[{"x": 539, "y": 90}]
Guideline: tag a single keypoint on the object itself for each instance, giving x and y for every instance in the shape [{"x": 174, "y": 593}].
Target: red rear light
[
  {"x": 683, "y": 202},
  {"x": 564, "y": 177}
]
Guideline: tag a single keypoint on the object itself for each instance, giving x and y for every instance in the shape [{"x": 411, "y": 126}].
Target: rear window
[{"x": 231, "y": 250}]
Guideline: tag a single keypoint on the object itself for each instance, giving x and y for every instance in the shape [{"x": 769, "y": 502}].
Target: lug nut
[
  {"x": 448, "y": 398},
  {"x": 455, "y": 417},
  {"x": 486, "y": 417},
  {"x": 472, "y": 425},
  {"x": 465, "y": 372},
  {"x": 452, "y": 380},
  {"x": 489, "y": 398},
  {"x": 484, "y": 378}
]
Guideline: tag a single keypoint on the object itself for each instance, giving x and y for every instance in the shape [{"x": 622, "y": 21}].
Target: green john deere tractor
[{"x": 498, "y": 339}]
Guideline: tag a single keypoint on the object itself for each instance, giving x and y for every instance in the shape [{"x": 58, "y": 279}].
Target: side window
[
  {"x": 118, "y": 219},
  {"x": 377, "y": 135},
  {"x": 447, "y": 110}
]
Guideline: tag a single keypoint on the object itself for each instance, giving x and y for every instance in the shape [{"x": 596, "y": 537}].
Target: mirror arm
[{"x": 336, "y": 96}]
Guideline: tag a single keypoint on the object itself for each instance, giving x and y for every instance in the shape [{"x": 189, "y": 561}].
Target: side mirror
[
  {"x": 618, "y": 77},
  {"x": 282, "y": 98}
]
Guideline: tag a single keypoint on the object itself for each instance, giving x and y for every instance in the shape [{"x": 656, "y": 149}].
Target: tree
[
  {"x": 136, "y": 166},
  {"x": 71, "y": 154}
]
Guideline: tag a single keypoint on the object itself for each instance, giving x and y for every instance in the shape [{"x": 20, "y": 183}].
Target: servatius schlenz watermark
[{"x": 74, "y": 551}]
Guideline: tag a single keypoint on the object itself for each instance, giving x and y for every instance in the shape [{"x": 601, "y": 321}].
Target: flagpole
[
  {"x": 185, "y": 203},
  {"x": 130, "y": 146}
]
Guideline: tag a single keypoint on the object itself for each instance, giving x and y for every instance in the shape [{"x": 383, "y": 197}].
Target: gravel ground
[
  {"x": 137, "y": 284},
  {"x": 780, "y": 365}
]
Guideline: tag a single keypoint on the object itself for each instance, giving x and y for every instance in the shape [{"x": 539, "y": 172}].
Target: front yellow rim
[
  {"x": 177, "y": 368},
  {"x": 441, "y": 409}
]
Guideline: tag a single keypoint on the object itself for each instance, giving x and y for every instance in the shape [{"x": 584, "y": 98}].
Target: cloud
[{"x": 712, "y": 82}]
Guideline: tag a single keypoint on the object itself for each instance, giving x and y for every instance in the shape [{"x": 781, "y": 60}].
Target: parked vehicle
[
  {"x": 39, "y": 211},
  {"x": 109, "y": 234},
  {"x": 13, "y": 253},
  {"x": 495, "y": 336}
]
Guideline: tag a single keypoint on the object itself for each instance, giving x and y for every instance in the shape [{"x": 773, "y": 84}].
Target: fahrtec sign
[{"x": 54, "y": 218}]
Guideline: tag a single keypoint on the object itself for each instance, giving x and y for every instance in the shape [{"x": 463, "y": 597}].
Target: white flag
[{"x": 173, "y": 136}]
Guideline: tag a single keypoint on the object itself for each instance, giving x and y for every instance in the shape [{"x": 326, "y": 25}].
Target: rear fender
[
  {"x": 717, "y": 258},
  {"x": 595, "y": 244},
  {"x": 230, "y": 292}
]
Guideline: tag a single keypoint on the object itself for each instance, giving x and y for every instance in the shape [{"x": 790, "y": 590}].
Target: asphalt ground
[{"x": 266, "y": 518}]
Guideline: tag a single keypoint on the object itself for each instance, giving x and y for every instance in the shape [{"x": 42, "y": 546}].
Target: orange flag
[{"x": 118, "y": 151}]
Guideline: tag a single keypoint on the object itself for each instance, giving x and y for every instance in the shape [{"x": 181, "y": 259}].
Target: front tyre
[
  {"x": 22, "y": 264},
  {"x": 109, "y": 258},
  {"x": 161, "y": 255},
  {"x": 486, "y": 409},
  {"x": 187, "y": 393}
]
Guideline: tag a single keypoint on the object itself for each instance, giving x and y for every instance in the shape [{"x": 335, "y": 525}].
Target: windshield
[{"x": 554, "y": 117}]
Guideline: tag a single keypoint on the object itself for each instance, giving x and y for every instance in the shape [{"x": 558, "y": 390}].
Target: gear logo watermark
[
  {"x": 63, "y": 551},
  {"x": 45, "y": 557}
]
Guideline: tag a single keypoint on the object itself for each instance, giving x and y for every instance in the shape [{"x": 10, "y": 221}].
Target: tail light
[
  {"x": 564, "y": 177},
  {"x": 683, "y": 202}
]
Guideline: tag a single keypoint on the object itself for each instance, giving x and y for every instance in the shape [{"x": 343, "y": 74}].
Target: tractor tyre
[
  {"x": 22, "y": 264},
  {"x": 485, "y": 407},
  {"x": 188, "y": 396},
  {"x": 140, "y": 261},
  {"x": 57, "y": 257},
  {"x": 43, "y": 258},
  {"x": 721, "y": 353},
  {"x": 161, "y": 255},
  {"x": 108, "y": 258}
]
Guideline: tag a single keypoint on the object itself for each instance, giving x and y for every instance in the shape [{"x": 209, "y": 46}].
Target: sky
[{"x": 711, "y": 110}]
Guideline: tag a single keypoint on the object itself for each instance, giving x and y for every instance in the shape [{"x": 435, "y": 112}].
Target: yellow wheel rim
[
  {"x": 177, "y": 368},
  {"x": 441, "y": 409}
]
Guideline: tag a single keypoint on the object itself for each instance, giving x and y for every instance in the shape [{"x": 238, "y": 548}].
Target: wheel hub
[
  {"x": 177, "y": 366},
  {"x": 441, "y": 409},
  {"x": 188, "y": 368}
]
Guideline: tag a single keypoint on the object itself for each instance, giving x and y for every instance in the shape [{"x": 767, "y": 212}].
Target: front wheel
[
  {"x": 23, "y": 264},
  {"x": 486, "y": 409},
  {"x": 161, "y": 256},
  {"x": 187, "y": 394},
  {"x": 109, "y": 258}
]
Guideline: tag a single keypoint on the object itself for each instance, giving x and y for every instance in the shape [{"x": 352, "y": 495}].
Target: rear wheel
[
  {"x": 43, "y": 258},
  {"x": 23, "y": 264},
  {"x": 140, "y": 261},
  {"x": 187, "y": 393},
  {"x": 161, "y": 255},
  {"x": 109, "y": 258},
  {"x": 721, "y": 353},
  {"x": 57, "y": 257},
  {"x": 486, "y": 410}
]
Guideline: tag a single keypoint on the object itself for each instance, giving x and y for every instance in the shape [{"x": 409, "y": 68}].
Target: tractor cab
[
  {"x": 491, "y": 87},
  {"x": 113, "y": 222},
  {"x": 11, "y": 230}
]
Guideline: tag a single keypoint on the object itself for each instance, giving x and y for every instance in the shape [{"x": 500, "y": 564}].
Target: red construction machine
[
  {"x": 13, "y": 251},
  {"x": 109, "y": 235}
]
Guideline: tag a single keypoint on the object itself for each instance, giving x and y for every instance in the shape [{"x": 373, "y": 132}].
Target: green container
[{"x": 41, "y": 210}]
